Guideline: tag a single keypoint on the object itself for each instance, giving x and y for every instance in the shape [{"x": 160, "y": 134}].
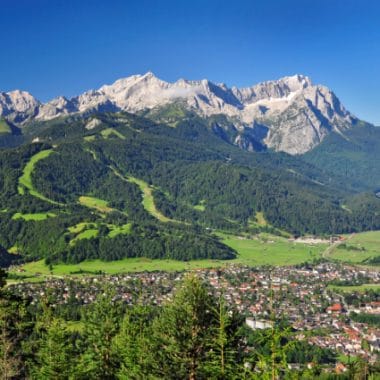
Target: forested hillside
[
  {"x": 354, "y": 155},
  {"x": 118, "y": 185}
]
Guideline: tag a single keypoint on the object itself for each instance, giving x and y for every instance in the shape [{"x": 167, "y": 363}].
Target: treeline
[{"x": 192, "y": 336}]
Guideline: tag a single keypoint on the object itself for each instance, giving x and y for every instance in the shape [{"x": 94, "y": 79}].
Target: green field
[
  {"x": 78, "y": 228},
  {"x": 148, "y": 201},
  {"x": 201, "y": 206},
  {"x": 355, "y": 288},
  {"x": 86, "y": 234},
  {"x": 271, "y": 250},
  {"x": 264, "y": 250},
  {"x": 36, "y": 217},
  {"x": 117, "y": 230},
  {"x": 260, "y": 219},
  {"x": 87, "y": 230},
  {"x": 359, "y": 247},
  {"x": 25, "y": 181},
  {"x": 107, "y": 133},
  {"x": 95, "y": 203},
  {"x": 38, "y": 269}
]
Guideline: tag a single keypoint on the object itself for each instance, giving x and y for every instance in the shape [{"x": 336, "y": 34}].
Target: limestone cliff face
[
  {"x": 290, "y": 114},
  {"x": 18, "y": 106}
]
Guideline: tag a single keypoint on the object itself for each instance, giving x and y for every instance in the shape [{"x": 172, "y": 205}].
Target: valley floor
[{"x": 263, "y": 249}]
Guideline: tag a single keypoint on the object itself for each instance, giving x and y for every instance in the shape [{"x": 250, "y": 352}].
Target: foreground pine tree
[
  {"x": 101, "y": 324},
  {"x": 55, "y": 353},
  {"x": 191, "y": 337}
]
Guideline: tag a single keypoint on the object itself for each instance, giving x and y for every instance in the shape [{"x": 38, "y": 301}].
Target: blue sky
[{"x": 52, "y": 47}]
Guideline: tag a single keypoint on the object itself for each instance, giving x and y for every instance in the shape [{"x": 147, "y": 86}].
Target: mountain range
[
  {"x": 146, "y": 168},
  {"x": 290, "y": 114}
]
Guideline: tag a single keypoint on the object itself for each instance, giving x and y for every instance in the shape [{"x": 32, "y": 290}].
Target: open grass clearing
[
  {"x": 265, "y": 250},
  {"x": 355, "y": 288},
  {"x": 36, "y": 217},
  {"x": 201, "y": 206},
  {"x": 39, "y": 269},
  {"x": 357, "y": 247},
  {"x": 261, "y": 219},
  {"x": 111, "y": 132},
  {"x": 117, "y": 230},
  {"x": 80, "y": 227},
  {"x": 258, "y": 220},
  {"x": 86, "y": 234},
  {"x": 148, "y": 200},
  {"x": 88, "y": 230},
  {"x": 25, "y": 181},
  {"x": 95, "y": 203},
  {"x": 268, "y": 249},
  {"x": 13, "y": 249}
]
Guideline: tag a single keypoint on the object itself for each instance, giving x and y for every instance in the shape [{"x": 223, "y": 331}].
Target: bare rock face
[
  {"x": 57, "y": 107},
  {"x": 295, "y": 114},
  {"x": 18, "y": 106}
]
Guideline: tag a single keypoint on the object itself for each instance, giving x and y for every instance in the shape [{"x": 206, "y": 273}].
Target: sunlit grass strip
[
  {"x": 25, "y": 181},
  {"x": 148, "y": 201},
  {"x": 95, "y": 203},
  {"x": 36, "y": 217}
]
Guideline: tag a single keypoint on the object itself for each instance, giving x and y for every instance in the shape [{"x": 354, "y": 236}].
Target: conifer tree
[
  {"x": 9, "y": 360},
  {"x": 133, "y": 343},
  {"x": 55, "y": 355},
  {"x": 101, "y": 325},
  {"x": 181, "y": 333},
  {"x": 222, "y": 358}
]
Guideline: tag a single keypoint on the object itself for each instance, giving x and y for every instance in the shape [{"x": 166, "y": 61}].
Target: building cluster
[{"x": 306, "y": 297}]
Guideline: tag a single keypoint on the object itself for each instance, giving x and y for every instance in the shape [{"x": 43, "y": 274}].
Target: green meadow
[
  {"x": 355, "y": 288},
  {"x": 263, "y": 250},
  {"x": 148, "y": 201},
  {"x": 87, "y": 230},
  {"x": 86, "y": 234},
  {"x": 109, "y": 132},
  {"x": 358, "y": 247},
  {"x": 25, "y": 181},
  {"x": 36, "y": 217},
  {"x": 95, "y": 203},
  {"x": 117, "y": 230}
]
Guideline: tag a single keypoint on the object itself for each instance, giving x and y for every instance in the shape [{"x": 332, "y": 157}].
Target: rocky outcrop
[{"x": 295, "y": 114}]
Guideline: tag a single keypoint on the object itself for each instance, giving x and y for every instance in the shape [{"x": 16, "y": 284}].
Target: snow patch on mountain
[{"x": 297, "y": 114}]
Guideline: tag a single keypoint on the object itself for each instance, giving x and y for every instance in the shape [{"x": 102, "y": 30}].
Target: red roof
[{"x": 335, "y": 307}]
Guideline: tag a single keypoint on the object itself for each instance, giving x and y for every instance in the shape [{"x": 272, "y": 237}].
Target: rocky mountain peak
[
  {"x": 18, "y": 106},
  {"x": 296, "y": 114}
]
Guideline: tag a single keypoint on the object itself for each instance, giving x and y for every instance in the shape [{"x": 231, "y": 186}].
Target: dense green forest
[
  {"x": 354, "y": 155},
  {"x": 135, "y": 187},
  {"x": 193, "y": 335}
]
